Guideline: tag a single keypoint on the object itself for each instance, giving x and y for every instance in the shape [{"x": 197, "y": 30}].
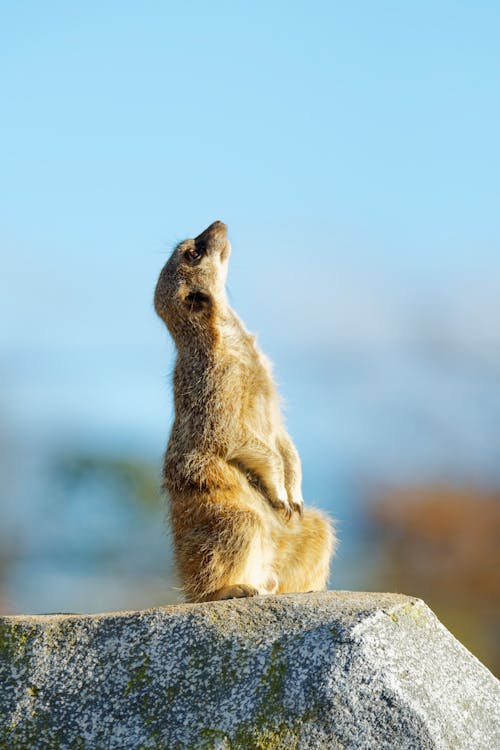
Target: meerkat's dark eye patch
[
  {"x": 197, "y": 301},
  {"x": 192, "y": 255},
  {"x": 195, "y": 253}
]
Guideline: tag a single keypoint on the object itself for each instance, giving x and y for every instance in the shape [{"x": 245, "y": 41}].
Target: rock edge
[{"x": 322, "y": 670}]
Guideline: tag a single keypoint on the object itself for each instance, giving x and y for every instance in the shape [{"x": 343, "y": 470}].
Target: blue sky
[
  {"x": 351, "y": 147},
  {"x": 353, "y": 150}
]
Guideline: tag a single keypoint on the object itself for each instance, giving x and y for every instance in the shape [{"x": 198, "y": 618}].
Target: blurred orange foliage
[{"x": 443, "y": 544}]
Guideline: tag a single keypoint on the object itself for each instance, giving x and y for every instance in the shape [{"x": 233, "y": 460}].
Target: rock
[{"x": 320, "y": 670}]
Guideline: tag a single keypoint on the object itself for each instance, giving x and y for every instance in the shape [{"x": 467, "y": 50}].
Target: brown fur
[{"x": 231, "y": 471}]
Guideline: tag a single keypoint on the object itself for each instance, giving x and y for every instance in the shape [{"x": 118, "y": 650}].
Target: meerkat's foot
[{"x": 236, "y": 591}]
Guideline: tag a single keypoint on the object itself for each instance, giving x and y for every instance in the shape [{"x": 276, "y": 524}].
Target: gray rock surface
[{"x": 328, "y": 670}]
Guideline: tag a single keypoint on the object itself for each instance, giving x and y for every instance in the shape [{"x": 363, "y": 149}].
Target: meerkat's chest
[
  {"x": 250, "y": 381},
  {"x": 260, "y": 403}
]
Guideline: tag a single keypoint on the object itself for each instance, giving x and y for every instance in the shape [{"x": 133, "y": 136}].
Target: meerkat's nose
[
  {"x": 216, "y": 230},
  {"x": 213, "y": 237}
]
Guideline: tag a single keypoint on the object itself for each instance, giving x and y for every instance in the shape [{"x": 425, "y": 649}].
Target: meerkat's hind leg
[{"x": 227, "y": 554}]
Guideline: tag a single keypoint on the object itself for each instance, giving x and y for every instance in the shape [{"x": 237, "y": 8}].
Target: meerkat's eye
[{"x": 193, "y": 254}]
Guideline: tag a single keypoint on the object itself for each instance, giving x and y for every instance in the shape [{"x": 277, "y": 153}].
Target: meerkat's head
[{"x": 192, "y": 282}]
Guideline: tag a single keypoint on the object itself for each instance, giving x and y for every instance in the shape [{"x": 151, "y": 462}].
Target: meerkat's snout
[
  {"x": 216, "y": 232},
  {"x": 214, "y": 240}
]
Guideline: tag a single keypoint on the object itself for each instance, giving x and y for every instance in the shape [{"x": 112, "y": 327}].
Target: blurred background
[{"x": 353, "y": 150}]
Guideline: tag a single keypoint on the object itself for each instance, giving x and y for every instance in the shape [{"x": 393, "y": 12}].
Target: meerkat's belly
[{"x": 260, "y": 566}]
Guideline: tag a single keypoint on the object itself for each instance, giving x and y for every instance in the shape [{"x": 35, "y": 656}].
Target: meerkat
[{"x": 231, "y": 472}]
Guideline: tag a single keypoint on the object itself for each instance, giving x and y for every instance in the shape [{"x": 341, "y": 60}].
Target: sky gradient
[{"x": 351, "y": 148}]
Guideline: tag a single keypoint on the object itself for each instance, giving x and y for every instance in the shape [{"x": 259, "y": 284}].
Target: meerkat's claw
[
  {"x": 281, "y": 503},
  {"x": 283, "y": 506},
  {"x": 297, "y": 504}
]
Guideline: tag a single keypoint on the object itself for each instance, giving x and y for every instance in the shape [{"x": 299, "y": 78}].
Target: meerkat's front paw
[
  {"x": 281, "y": 503},
  {"x": 288, "y": 503}
]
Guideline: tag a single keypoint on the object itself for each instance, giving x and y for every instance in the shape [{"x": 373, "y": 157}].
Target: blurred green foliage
[{"x": 138, "y": 477}]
